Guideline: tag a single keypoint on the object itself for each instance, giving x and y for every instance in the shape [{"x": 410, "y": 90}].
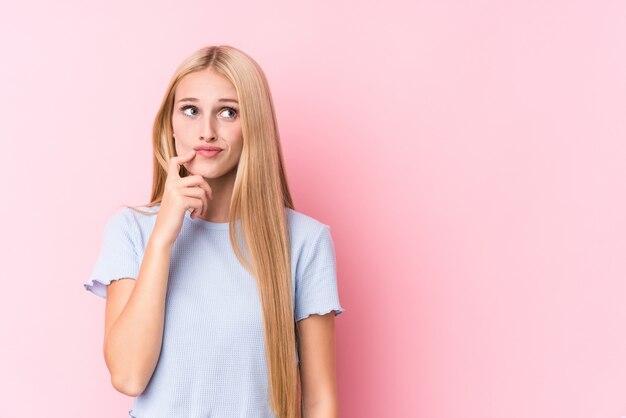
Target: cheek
[
  {"x": 175, "y": 129},
  {"x": 235, "y": 140},
  {"x": 178, "y": 122},
  {"x": 238, "y": 135},
  {"x": 238, "y": 147}
]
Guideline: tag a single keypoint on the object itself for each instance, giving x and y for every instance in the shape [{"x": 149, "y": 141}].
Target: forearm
[
  {"x": 321, "y": 410},
  {"x": 133, "y": 343}
]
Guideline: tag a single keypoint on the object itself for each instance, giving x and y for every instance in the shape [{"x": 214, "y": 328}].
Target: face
[{"x": 206, "y": 112}]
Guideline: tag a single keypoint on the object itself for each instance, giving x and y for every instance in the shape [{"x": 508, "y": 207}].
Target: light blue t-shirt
[{"x": 212, "y": 361}]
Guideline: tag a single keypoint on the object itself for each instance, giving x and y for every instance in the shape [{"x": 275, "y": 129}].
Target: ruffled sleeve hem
[
  {"x": 338, "y": 311},
  {"x": 99, "y": 286}
]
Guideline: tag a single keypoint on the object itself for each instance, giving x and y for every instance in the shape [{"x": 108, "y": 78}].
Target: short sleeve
[
  {"x": 119, "y": 255},
  {"x": 316, "y": 284}
]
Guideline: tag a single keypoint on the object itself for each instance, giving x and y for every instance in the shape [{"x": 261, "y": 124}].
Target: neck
[{"x": 218, "y": 209}]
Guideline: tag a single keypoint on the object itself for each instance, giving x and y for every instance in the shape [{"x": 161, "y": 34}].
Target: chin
[
  {"x": 201, "y": 169},
  {"x": 206, "y": 175}
]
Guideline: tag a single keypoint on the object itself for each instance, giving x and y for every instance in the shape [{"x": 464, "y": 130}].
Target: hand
[{"x": 180, "y": 194}]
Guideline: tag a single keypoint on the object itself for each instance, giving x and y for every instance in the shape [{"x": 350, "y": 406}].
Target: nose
[{"x": 208, "y": 131}]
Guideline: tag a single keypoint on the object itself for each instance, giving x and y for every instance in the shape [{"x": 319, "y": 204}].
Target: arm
[
  {"x": 135, "y": 312},
  {"x": 316, "y": 351}
]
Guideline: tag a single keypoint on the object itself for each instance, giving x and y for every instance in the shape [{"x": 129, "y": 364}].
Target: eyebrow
[{"x": 193, "y": 99}]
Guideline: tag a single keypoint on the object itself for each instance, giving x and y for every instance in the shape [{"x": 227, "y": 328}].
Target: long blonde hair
[{"x": 259, "y": 199}]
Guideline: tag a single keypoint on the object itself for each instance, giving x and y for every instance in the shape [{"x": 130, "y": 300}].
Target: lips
[{"x": 204, "y": 148}]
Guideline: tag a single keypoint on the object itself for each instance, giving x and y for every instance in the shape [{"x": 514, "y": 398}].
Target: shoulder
[
  {"x": 306, "y": 233},
  {"x": 301, "y": 224},
  {"x": 137, "y": 213},
  {"x": 135, "y": 222},
  {"x": 123, "y": 211}
]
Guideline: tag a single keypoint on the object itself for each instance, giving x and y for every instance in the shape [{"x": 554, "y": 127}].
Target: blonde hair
[{"x": 259, "y": 199}]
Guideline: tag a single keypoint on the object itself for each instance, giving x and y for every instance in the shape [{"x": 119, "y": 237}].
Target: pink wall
[{"x": 469, "y": 156}]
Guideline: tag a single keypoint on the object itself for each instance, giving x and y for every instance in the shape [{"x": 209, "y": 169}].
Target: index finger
[{"x": 178, "y": 160}]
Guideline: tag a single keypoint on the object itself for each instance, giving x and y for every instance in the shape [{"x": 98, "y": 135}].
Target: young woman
[{"x": 228, "y": 304}]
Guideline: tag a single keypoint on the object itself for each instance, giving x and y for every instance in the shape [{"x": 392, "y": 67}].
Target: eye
[
  {"x": 233, "y": 110},
  {"x": 184, "y": 108}
]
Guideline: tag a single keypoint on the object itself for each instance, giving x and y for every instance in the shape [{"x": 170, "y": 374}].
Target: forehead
[{"x": 205, "y": 85}]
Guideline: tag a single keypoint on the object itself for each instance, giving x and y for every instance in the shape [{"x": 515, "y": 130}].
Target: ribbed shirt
[{"x": 212, "y": 362}]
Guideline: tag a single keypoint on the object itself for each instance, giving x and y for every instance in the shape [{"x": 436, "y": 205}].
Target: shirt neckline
[{"x": 206, "y": 224}]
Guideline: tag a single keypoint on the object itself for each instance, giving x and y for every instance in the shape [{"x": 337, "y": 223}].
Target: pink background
[{"x": 469, "y": 157}]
